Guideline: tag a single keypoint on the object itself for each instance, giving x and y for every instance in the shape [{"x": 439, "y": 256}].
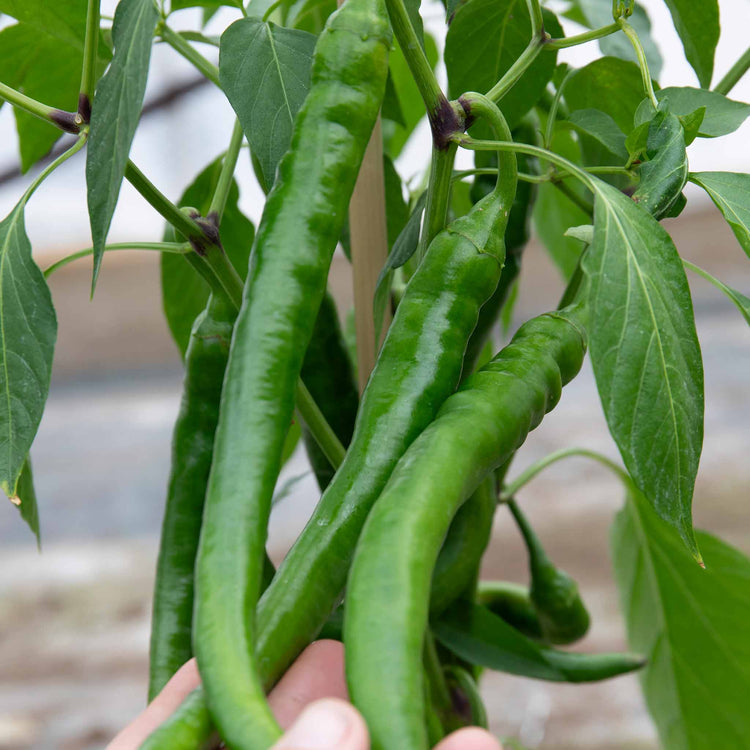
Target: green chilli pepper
[
  {"x": 512, "y": 602},
  {"x": 418, "y": 367},
  {"x": 562, "y": 614},
  {"x": 467, "y": 703},
  {"x": 299, "y": 229},
  {"x": 387, "y": 601},
  {"x": 328, "y": 374},
  {"x": 192, "y": 449},
  {"x": 457, "y": 567}
]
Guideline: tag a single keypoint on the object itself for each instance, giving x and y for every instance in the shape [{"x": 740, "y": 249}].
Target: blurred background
[{"x": 75, "y": 618}]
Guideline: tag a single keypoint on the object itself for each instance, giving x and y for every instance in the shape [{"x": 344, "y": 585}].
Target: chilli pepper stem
[
  {"x": 535, "y": 14},
  {"x": 224, "y": 183},
  {"x": 519, "y": 67},
  {"x": 438, "y": 195},
  {"x": 631, "y": 34},
  {"x": 184, "y": 48},
  {"x": 587, "y": 36},
  {"x": 70, "y": 122},
  {"x": 313, "y": 417},
  {"x": 537, "y": 555},
  {"x": 734, "y": 74},
  {"x": 88, "y": 71}
]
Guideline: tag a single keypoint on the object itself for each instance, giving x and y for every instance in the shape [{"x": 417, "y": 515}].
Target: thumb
[{"x": 328, "y": 724}]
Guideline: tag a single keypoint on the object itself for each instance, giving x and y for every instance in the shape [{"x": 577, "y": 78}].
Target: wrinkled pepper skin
[
  {"x": 292, "y": 251},
  {"x": 192, "y": 449},
  {"x": 388, "y": 590},
  {"x": 328, "y": 374}
]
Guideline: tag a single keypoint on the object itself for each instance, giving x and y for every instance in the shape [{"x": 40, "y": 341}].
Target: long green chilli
[
  {"x": 418, "y": 367},
  {"x": 300, "y": 226},
  {"x": 192, "y": 449},
  {"x": 388, "y": 595}
]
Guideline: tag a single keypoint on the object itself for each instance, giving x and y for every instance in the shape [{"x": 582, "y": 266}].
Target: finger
[
  {"x": 471, "y": 738},
  {"x": 184, "y": 681},
  {"x": 328, "y": 724},
  {"x": 317, "y": 673}
]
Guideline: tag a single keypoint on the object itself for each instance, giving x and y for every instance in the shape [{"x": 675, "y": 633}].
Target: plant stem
[
  {"x": 642, "y": 62},
  {"x": 587, "y": 36},
  {"x": 537, "y": 555},
  {"x": 528, "y": 474},
  {"x": 90, "y": 49},
  {"x": 415, "y": 57},
  {"x": 325, "y": 437},
  {"x": 179, "y": 248},
  {"x": 438, "y": 194},
  {"x": 535, "y": 14},
  {"x": 224, "y": 183},
  {"x": 572, "y": 196},
  {"x": 30, "y": 190},
  {"x": 184, "y": 48},
  {"x": 437, "y": 696},
  {"x": 554, "y": 107},
  {"x": 525, "y": 176},
  {"x": 519, "y": 67},
  {"x": 67, "y": 121},
  {"x": 733, "y": 75}
]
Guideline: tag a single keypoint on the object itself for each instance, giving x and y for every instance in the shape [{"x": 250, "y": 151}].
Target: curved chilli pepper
[
  {"x": 418, "y": 368},
  {"x": 511, "y": 601},
  {"x": 192, "y": 449},
  {"x": 387, "y": 600},
  {"x": 562, "y": 614},
  {"x": 293, "y": 247},
  {"x": 469, "y": 534},
  {"x": 467, "y": 703},
  {"x": 328, "y": 374}
]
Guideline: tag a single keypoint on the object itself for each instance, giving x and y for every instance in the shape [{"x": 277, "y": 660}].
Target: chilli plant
[{"x": 410, "y": 423}]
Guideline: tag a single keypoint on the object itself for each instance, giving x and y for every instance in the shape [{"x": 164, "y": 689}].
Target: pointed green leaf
[
  {"x": 184, "y": 292},
  {"x": 697, "y": 23},
  {"x": 691, "y": 624},
  {"x": 484, "y": 39},
  {"x": 25, "y": 500},
  {"x": 691, "y": 124},
  {"x": 602, "y": 128},
  {"x": 28, "y": 329},
  {"x": 729, "y": 191},
  {"x": 645, "y": 353},
  {"x": 609, "y": 84},
  {"x": 723, "y": 116},
  {"x": 482, "y": 638},
  {"x": 265, "y": 73},
  {"x": 741, "y": 302},
  {"x": 115, "y": 113},
  {"x": 665, "y": 173}
]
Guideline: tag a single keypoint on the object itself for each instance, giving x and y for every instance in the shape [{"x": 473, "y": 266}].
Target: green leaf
[
  {"x": 412, "y": 10},
  {"x": 596, "y": 14},
  {"x": 665, "y": 173},
  {"x": 395, "y": 134},
  {"x": 63, "y": 19},
  {"x": 691, "y": 124},
  {"x": 741, "y": 302},
  {"x": 602, "y": 128},
  {"x": 184, "y": 293},
  {"x": 265, "y": 72},
  {"x": 691, "y": 624},
  {"x": 637, "y": 140},
  {"x": 28, "y": 329},
  {"x": 697, "y": 23},
  {"x": 25, "y": 500},
  {"x": 310, "y": 15},
  {"x": 609, "y": 84},
  {"x": 723, "y": 116},
  {"x": 391, "y": 109},
  {"x": 396, "y": 209},
  {"x": 645, "y": 353},
  {"x": 115, "y": 113},
  {"x": 484, "y": 40},
  {"x": 729, "y": 191},
  {"x": 554, "y": 213},
  {"x": 481, "y": 637}
]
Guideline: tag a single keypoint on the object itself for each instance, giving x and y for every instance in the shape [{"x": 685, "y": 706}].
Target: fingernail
[{"x": 321, "y": 726}]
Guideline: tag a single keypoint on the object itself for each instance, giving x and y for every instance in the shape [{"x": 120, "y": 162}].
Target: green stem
[
  {"x": 223, "y": 269},
  {"x": 642, "y": 62},
  {"x": 473, "y": 144},
  {"x": 324, "y": 436},
  {"x": 525, "y": 176},
  {"x": 519, "y": 67},
  {"x": 74, "y": 149},
  {"x": 437, "y": 694},
  {"x": 438, "y": 194},
  {"x": 224, "y": 183},
  {"x": 184, "y": 48},
  {"x": 162, "y": 247},
  {"x": 733, "y": 75},
  {"x": 416, "y": 59},
  {"x": 88, "y": 72},
  {"x": 527, "y": 475},
  {"x": 537, "y": 555},
  {"x": 554, "y": 107},
  {"x": 179, "y": 220},
  {"x": 587, "y": 36},
  {"x": 537, "y": 20},
  {"x": 68, "y": 121},
  {"x": 571, "y": 195},
  {"x": 271, "y": 8}
]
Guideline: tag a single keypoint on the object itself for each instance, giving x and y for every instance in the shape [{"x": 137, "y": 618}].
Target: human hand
[{"x": 309, "y": 702}]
